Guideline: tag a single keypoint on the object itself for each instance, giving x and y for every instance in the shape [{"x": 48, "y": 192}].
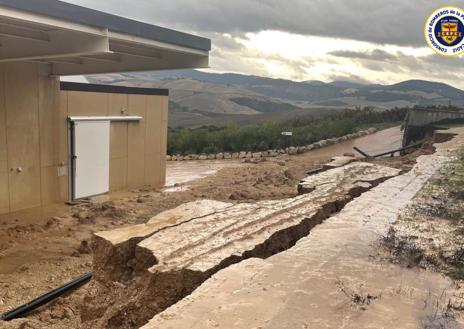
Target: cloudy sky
[{"x": 358, "y": 40}]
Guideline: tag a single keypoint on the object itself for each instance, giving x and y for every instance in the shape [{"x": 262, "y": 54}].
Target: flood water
[
  {"x": 334, "y": 277},
  {"x": 181, "y": 172}
]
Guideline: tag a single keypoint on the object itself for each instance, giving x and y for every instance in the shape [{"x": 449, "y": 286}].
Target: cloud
[
  {"x": 375, "y": 55},
  {"x": 356, "y": 40},
  {"x": 398, "y": 22}
]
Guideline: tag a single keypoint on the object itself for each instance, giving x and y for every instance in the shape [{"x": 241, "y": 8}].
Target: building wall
[{"x": 33, "y": 136}]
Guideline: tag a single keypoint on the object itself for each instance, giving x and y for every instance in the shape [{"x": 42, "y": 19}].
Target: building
[{"x": 60, "y": 141}]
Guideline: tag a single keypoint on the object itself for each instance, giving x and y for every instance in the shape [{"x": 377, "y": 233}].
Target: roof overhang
[{"x": 116, "y": 44}]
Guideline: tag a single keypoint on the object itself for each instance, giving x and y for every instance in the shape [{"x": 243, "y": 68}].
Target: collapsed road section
[
  {"x": 141, "y": 270},
  {"x": 332, "y": 278}
]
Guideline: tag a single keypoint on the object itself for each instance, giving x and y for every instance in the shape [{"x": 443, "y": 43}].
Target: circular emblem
[{"x": 444, "y": 31}]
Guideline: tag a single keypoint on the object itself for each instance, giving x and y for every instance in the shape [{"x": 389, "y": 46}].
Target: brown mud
[{"x": 41, "y": 249}]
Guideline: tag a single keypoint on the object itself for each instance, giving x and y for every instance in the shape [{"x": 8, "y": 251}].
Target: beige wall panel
[
  {"x": 53, "y": 125},
  {"x": 22, "y": 125},
  {"x": 164, "y": 136},
  {"x": 153, "y": 125},
  {"x": 4, "y": 193},
  {"x": 153, "y": 175},
  {"x": 118, "y": 174},
  {"x": 87, "y": 104},
  {"x": 117, "y": 103},
  {"x": 136, "y": 142},
  {"x": 118, "y": 146},
  {"x": 54, "y": 188},
  {"x": 3, "y": 146}
]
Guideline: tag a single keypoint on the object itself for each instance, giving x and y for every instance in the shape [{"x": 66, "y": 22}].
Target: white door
[{"x": 91, "y": 145}]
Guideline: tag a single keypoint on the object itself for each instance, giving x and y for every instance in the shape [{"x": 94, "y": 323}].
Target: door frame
[{"x": 72, "y": 139}]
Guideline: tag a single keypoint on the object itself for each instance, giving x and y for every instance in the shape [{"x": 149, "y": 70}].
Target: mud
[
  {"x": 429, "y": 233},
  {"x": 171, "y": 262},
  {"x": 37, "y": 258},
  {"x": 330, "y": 278}
]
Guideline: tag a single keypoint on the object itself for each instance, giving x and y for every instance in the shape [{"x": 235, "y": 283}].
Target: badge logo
[{"x": 444, "y": 31}]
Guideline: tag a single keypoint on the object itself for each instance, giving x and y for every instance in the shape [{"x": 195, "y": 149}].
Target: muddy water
[
  {"x": 179, "y": 173},
  {"x": 379, "y": 142},
  {"x": 330, "y": 279}
]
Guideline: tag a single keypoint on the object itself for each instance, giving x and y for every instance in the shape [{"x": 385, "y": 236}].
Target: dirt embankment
[
  {"x": 430, "y": 233},
  {"x": 38, "y": 257}
]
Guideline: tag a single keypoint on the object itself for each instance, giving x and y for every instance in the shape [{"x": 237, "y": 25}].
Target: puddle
[{"x": 178, "y": 173}]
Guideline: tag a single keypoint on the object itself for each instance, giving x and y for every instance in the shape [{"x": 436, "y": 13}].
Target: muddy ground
[
  {"x": 429, "y": 234},
  {"x": 39, "y": 254}
]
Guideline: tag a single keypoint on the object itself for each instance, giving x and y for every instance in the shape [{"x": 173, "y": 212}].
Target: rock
[
  {"x": 180, "y": 157},
  {"x": 248, "y": 155},
  {"x": 174, "y": 158},
  {"x": 187, "y": 157},
  {"x": 256, "y": 155},
  {"x": 292, "y": 150},
  {"x": 220, "y": 156},
  {"x": 301, "y": 149},
  {"x": 227, "y": 156},
  {"x": 371, "y": 130},
  {"x": 84, "y": 248},
  {"x": 235, "y": 155},
  {"x": 194, "y": 156},
  {"x": 323, "y": 143},
  {"x": 168, "y": 158},
  {"x": 211, "y": 156},
  {"x": 309, "y": 147},
  {"x": 339, "y": 161},
  {"x": 271, "y": 153},
  {"x": 203, "y": 157}
]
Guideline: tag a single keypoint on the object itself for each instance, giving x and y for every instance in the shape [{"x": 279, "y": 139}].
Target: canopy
[{"x": 78, "y": 40}]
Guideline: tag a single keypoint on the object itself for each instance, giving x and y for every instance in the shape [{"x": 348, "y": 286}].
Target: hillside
[{"x": 200, "y": 98}]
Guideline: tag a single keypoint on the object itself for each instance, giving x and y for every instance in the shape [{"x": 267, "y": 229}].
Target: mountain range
[{"x": 200, "y": 98}]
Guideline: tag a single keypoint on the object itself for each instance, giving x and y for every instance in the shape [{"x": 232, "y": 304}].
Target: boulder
[
  {"x": 242, "y": 155},
  {"x": 168, "y": 158},
  {"x": 227, "y": 156},
  {"x": 203, "y": 157},
  {"x": 301, "y": 149},
  {"x": 291, "y": 150},
  {"x": 256, "y": 155},
  {"x": 220, "y": 156}
]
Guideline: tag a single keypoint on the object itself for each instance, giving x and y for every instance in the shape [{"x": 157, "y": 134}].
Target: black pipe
[
  {"x": 398, "y": 150},
  {"x": 48, "y": 297},
  {"x": 362, "y": 152}
]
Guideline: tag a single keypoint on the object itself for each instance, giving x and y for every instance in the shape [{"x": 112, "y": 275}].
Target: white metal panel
[
  {"x": 106, "y": 118},
  {"x": 92, "y": 162}
]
